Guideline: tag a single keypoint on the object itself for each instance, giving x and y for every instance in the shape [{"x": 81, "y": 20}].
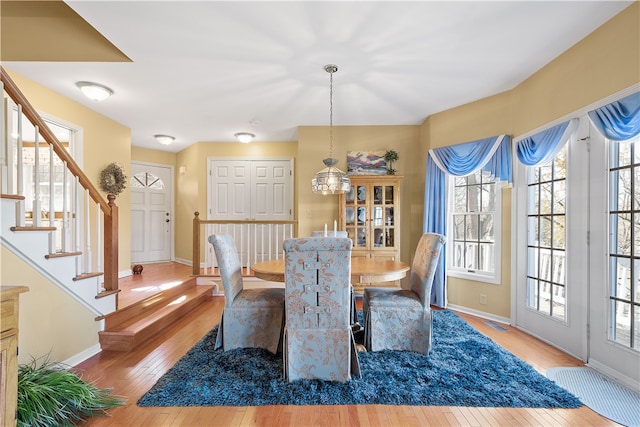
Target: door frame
[{"x": 172, "y": 227}]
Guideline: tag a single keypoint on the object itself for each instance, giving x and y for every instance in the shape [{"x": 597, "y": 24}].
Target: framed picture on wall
[{"x": 366, "y": 162}]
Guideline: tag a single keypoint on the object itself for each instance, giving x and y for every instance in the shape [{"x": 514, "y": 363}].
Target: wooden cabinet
[
  {"x": 9, "y": 353},
  {"x": 370, "y": 214}
]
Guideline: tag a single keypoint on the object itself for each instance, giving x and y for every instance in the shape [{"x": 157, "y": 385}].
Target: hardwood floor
[{"x": 132, "y": 374}]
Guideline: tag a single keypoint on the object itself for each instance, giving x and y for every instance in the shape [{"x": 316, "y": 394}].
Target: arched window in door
[{"x": 147, "y": 180}]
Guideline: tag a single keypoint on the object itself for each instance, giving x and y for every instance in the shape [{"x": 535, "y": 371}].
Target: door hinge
[
  {"x": 17, "y": 351},
  {"x": 588, "y": 331},
  {"x": 588, "y": 237}
]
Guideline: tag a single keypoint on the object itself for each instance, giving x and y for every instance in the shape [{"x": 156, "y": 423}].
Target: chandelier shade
[{"x": 330, "y": 180}]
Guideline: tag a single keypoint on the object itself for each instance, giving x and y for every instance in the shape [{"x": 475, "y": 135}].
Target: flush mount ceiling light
[
  {"x": 94, "y": 91},
  {"x": 244, "y": 137},
  {"x": 164, "y": 139},
  {"x": 330, "y": 180}
]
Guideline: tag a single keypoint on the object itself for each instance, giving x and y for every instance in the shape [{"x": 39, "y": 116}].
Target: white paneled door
[{"x": 151, "y": 213}]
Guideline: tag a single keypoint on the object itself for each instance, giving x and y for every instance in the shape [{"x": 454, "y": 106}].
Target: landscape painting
[{"x": 366, "y": 162}]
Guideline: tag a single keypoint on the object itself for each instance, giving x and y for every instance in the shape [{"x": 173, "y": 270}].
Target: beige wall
[
  {"x": 50, "y": 321},
  {"x": 606, "y": 61}
]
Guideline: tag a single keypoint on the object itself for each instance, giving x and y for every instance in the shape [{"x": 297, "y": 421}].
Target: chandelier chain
[{"x": 331, "y": 114}]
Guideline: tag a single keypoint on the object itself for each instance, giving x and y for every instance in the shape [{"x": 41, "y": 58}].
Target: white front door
[
  {"x": 551, "y": 223},
  {"x": 151, "y": 213}
]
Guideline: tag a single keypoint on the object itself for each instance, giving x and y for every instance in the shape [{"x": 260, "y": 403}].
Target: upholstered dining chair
[
  {"x": 400, "y": 319},
  {"x": 318, "y": 340},
  {"x": 251, "y": 317}
]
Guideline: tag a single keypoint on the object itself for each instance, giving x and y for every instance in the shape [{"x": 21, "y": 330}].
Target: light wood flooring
[{"x": 132, "y": 374}]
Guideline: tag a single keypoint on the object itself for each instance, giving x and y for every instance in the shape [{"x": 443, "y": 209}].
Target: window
[
  {"x": 546, "y": 237},
  {"x": 146, "y": 180},
  {"x": 474, "y": 221},
  {"x": 624, "y": 246}
]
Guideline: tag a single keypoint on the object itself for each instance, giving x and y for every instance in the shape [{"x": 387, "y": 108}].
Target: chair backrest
[
  {"x": 228, "y": 264},
  {"x": 317, "y": 278},
  {"x": 424, "y": 264}
]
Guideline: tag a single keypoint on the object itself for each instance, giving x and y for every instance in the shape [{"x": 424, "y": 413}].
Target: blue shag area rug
[{"x": 464, "y": 368}]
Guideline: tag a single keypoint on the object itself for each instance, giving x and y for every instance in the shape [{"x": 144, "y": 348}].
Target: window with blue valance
[
  {"x": 491, "y": 154},
  {"x": 542, "y": 147},
  {"x": 619, "y": 120}
]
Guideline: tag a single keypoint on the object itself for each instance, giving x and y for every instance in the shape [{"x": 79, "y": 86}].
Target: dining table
[{"x": 363, "y": 270}]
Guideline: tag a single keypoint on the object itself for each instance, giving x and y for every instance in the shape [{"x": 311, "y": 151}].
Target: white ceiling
[{"x": 204, "y": 70}]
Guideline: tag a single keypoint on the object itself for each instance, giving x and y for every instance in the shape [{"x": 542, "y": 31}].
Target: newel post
[
  {"x": 195, "y": 265},
  {"x": 111, "y": 246}
]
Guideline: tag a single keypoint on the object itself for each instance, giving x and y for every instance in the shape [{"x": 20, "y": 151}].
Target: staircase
[
  {"x": 31, "y": 245},
  {"x": 127, "y": 328}
]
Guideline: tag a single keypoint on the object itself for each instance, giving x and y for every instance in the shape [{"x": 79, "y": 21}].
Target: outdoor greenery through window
[
  {"x": 624, "y": 247},
  {"x": 546, "y": 241},
  {"x": 475, "y": 221}
]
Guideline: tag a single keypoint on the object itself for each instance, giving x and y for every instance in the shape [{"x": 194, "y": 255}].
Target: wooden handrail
[
  {"x": 27, "y": 109},
  {"x": 197, "y": 223},
  {"x": 109, "y": 208}
]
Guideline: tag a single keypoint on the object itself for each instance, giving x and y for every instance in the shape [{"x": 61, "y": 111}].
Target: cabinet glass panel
[
  {"x": 350, "y": 195},
  {"x": 362, "y": 215},
  {"x": 362, "y": 194},
  {"x": 388, "y": 216},
  {"x": 350, "y": 215},
  {"x": 378, "y": 218},
  {"x": 388, "y": 195},
  {"x": 378, "y": 235},
  {"x": 390, "y": 240},
  {"x": 377, "y": 194}
]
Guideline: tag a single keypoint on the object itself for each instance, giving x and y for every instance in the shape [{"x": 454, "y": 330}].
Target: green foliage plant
[
  {"x": 391, "y": 156},
  {"x": 50, "y": 394}
]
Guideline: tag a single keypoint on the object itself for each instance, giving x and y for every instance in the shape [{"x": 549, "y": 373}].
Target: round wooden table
[{"x": 363, "y": 270}]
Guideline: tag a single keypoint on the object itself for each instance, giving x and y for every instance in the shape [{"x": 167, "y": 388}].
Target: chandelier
[{"x": 330, "y": 180}]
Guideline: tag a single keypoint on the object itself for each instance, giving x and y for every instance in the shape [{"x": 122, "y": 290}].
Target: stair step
[
  {"x": 62, "y": 254},
  {"x": 11, "y": 196},
  {"x": 16, "y": 228},
  {"x": 133, "y": 332},
  {"x": 87, "y": 275},
  {"x": 107, "y": 293}
]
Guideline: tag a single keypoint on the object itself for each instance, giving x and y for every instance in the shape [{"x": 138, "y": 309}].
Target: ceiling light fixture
[
  {"x": 164, "y": 139},
  {"x": 244, "y": 137},
  {"x": 330, "y": 180},
  {"x": 94, "y": 91}
]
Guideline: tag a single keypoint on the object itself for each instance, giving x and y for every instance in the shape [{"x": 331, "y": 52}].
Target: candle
[
  {"x": 335, "y": 228},
  {"x": 325, "y": 229}
]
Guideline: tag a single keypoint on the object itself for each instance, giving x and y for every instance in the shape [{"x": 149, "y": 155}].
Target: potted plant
[
  {"x": 51, "y": 395},
  {"x": 390, "y": 157}
]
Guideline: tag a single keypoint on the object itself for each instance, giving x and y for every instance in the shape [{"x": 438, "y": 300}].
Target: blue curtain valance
[
  {"x": 491, "y": 154},
  {"x": 542, "y": 147},
  {"x": 619, "y": 120}
]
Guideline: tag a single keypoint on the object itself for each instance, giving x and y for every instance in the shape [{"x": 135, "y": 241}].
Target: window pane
[
  {"x": 486, "y": 228},
  {"x": 534, "y": 200},
  {"x": 460, "y": 199},
  {"x": 622, "y": 233},
  {"x": 546, "y": 192},
  {"x": 471, "y": 227},
  {"x": 546, "y": 172},
  {"x": 532, "y": 262},
  {"x": 624, "y": 156},
  {"x": 559, "y": 197},
  {"x": 621, "y": 288},
  {"x": 473, "y": 198},
  {"x": 545, "y": 231},
  {"x": 533, "y": 232},
  {"x": 622, "y": 323},
  {"x": 471, "y": 251},
  {"x": 458, "y": 227},
  {"x": 559, "y": 235},
  {"x": 558, "y": 305},
  {"x": 532, "y": 293},
  {"x": 486, "y": 257},
  {"x": 458, "y": 254},
  {"x": 560, "y": 164},
  {"x": 488, "y": 198}
]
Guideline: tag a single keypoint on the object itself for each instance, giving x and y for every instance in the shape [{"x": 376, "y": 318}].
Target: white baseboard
[
  {"x": 615, "y": 375},
  {"x": 82, "y": 356},
  {"x": 480, "y": 314},
  {"x": 183, "y": 261}
]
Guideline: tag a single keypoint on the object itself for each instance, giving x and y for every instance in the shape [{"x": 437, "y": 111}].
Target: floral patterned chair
[
  {"x": 251, "y": 317},
  {"x": 318, "y": 341},
  {"x": 400, "y": 319}
]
